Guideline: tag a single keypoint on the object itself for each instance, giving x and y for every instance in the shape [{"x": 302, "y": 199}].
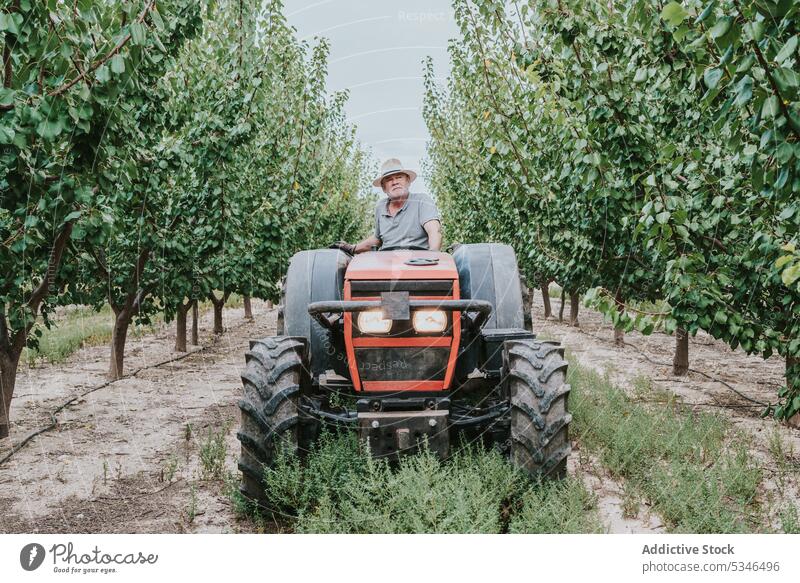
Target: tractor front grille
[{"x": 402, "y": 363}]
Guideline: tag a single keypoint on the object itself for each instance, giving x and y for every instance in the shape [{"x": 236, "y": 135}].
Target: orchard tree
[{"x": 65, "y": 70}]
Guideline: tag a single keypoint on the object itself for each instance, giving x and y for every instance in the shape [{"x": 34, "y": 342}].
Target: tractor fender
[
  {"x": 314, "y": 276},
  {"x": 488, "y": 271}
]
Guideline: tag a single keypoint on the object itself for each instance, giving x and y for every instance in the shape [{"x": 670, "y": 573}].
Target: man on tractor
[
  {"x": 403, "y": 220},
  {"x": 408, "y": 346}
]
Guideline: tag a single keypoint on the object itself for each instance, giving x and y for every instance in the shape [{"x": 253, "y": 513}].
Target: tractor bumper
[{"x": 391, "y": 434}]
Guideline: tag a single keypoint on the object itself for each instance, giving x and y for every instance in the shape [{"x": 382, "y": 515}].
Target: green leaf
[
  {"x": 102, "y": 73},
  {"x": 784, "y": 152},
  {"x": 786, "y": 50},
  {"x": 137, "y": 33},
  {"x": 49, "y": 129},
  {"x": 6, "y": 134},
  {"x": 8, "y": 23},
  {"x": 641, "y": 75},
  {"x": 673, "y": 14},
  {"x": 757, "y": 30},
  {"x": 117, "y": 64},
  {"x": 721, "y": 28},
  {"x": 157, "y": 20},
  {"x": 711, "y": 77},
  {"x": 705, "y": 13},
  {"x": 786, "y": 79},
  {"x": 662, "y": 217},
  {"x": 745, "y": 63},
  {"x": 744, "y": 91},
  {"x": 791, "y": 274},
  {"x": 72, "y": 216},
  {"x": 770, "y": 108}
]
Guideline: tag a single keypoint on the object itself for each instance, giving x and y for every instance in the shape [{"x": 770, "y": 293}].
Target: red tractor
[{"x": 405, "y": 346}]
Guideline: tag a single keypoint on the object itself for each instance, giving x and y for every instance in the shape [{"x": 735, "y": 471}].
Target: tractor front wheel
[
  {"x": 535, "y": 373},
  {"x": 276, "y": 372}
]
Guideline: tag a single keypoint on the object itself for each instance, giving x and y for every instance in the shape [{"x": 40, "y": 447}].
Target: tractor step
[{"x": 391, "y": 434}]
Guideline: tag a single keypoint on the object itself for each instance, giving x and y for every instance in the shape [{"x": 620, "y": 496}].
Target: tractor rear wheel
[
  {"x": 274, "y": 379},
  {"x": 535, "y": 373}
]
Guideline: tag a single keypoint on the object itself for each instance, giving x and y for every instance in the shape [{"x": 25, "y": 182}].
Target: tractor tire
[
  {"x": 274, "y": 379},
  {"x": 535, "y": 373}
]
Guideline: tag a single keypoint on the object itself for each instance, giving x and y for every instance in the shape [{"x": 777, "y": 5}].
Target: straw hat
[{"x": 393, "y": 166}]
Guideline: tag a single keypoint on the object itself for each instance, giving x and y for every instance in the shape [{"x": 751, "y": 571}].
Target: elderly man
[{"x": 404, "y": 219}]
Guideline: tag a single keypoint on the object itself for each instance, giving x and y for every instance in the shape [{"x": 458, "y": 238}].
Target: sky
[{"x": 377, "y": 52}]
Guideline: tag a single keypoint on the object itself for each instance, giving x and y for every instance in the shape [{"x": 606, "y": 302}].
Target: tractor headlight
[
  {"x": 373, "y": 322},
  {"x": 430, "y": 321}
]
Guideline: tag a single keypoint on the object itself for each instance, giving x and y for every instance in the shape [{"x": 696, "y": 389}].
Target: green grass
[
  {"x": 694, "y": 468},
  {"x": 78, "y": 327},
  {"x": 340, "y": 488},
  {"x": 82, "y": 326}
]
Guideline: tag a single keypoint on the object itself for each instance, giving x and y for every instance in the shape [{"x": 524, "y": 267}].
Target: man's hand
[{"x": 344, "y": 246}]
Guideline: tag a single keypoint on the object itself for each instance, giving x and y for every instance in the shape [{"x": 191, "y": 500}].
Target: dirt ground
[{"x": 126, "y": 458}]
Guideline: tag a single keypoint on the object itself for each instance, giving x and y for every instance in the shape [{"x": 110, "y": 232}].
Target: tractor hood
[{"x": 402, "y": 264}]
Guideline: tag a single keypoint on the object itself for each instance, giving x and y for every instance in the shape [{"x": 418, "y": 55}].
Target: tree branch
[
  {"x": 99, "y": 262},
  {"x": 52, "y": 267},
  {"x": 68, "y": 85},
  {"x": 4, "y": 340}
]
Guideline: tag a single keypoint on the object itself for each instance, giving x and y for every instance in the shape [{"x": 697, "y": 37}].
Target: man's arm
[
  {"x": 434, "y": 230},
  {"x": 366, "y": 244}
]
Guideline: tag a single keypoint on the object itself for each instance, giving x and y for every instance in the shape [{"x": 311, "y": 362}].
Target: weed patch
[
  {"x": 340, "y": 488},
  {"x": 693, "y": 467},
  {"x": 213, "y": 450}
]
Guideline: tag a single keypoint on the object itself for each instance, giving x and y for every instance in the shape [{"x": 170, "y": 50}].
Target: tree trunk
[
  {"x": 12, "y": 343},
  {"x": 180, "y": 327},
  {"x": 218, "y": 329},
  {"x": 574, "y": 306},
  {"x": 248, "y": 308},
  {"x": 8, "y": 378},
  {"x": 561, "y": 308},
  {"x": 195, "y": 318},
  {"x": 218, "y": 305},
  {"x": 548, "y": 310},
  {"x": 680, "y": 363},
  {"x": 619, "y": 332},
  {"x": 119, "y": 334}
]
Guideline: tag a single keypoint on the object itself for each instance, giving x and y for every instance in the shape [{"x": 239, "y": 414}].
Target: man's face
[{"x": 396, "y": 185}]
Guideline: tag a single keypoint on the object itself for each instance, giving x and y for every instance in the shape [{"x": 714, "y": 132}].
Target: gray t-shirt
[{"x": 405, "y": 229}]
